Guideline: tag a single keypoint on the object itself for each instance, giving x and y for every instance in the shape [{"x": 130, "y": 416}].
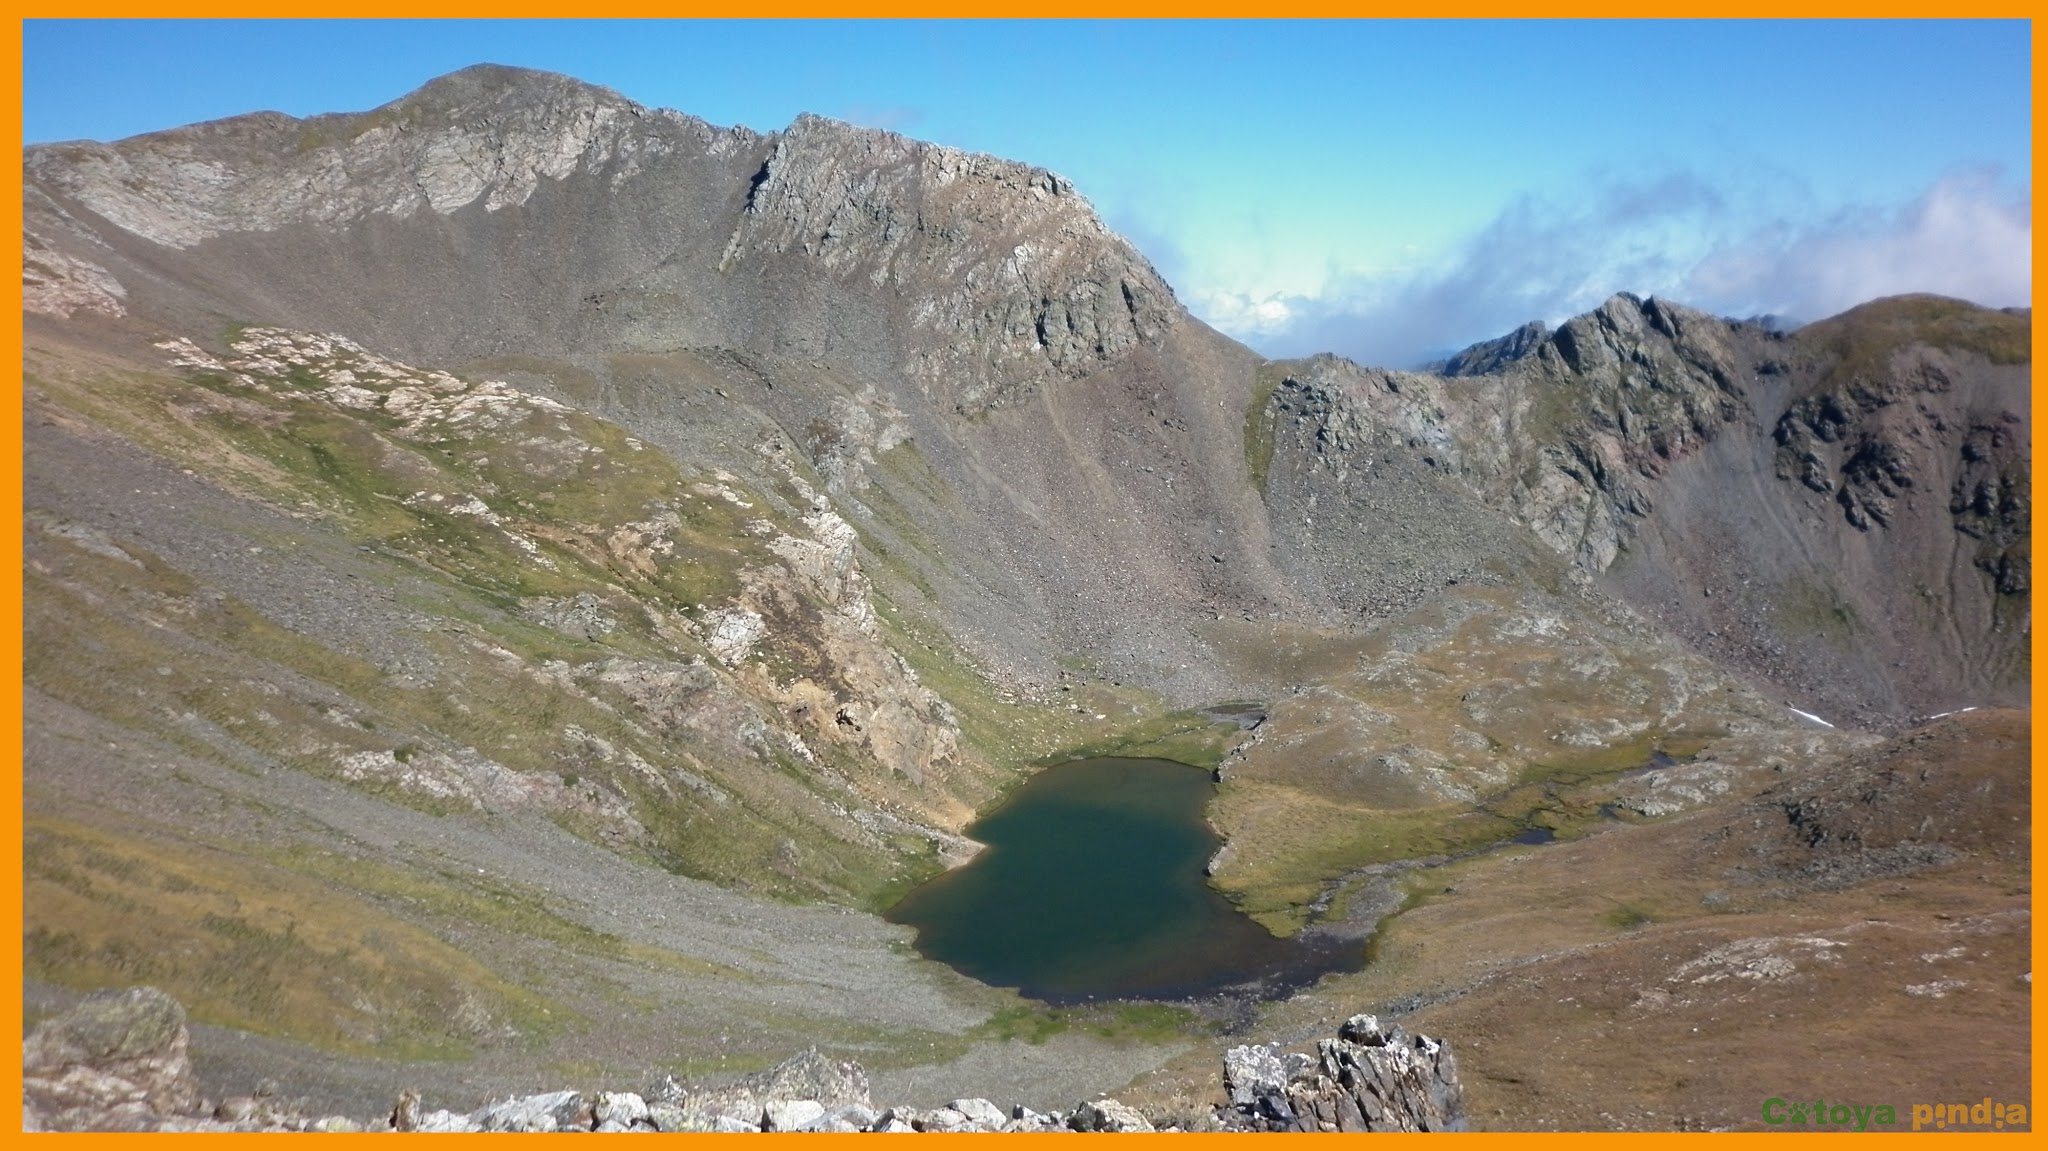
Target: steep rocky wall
[{"x": 1837, "y": 512}]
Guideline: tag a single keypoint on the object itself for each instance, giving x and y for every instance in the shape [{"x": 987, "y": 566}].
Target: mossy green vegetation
[
  {"x": 1861, "y": 341},
  {"x": 1116, "y": 1021},
  {"x": 1295, "y": 846},
  {"x": 1629, "y": 916},
  {"x": 1812, "y": 605},
  {"x": 1188, "y": 737},
  {"x": 1259, "y": 418}
]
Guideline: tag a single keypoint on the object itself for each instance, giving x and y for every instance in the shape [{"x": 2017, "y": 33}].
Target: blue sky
[{"x": 1385, "y": 190}]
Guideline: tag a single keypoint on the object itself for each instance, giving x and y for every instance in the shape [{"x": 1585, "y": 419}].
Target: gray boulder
[
  {"x": 554, "y": 1111},
  {"x": 114, "y": 1062},
  {"x": 980, "y": 1112},
  {"x": 791, "y": 1114},
  {"x": 1372, "y": 1077}
]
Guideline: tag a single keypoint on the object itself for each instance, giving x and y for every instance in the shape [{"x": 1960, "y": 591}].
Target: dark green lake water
[{"x": 1091, "y": 887}]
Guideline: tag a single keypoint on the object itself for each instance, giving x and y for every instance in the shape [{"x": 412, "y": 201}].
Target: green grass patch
[
  {"x": 482, "y": 902},
  {"x": 1182, "y": 736},
  {"x": 1813, "y": 605},
  {"x": 1860, "y": 343},
  {"x": 244, "y": 944},
  {"x": 1628, "y": 917},
  {"x": 1259, "y": 420},
  {"x": 1118, "y": 1022},
  {"x": 1290, "y": 845}
]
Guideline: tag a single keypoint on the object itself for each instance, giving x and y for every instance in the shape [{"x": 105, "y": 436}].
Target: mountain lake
[{"x": 1091, "y": 887}]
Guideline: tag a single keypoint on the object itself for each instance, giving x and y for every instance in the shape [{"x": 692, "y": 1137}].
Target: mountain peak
[{"x": 485, "y": 85}]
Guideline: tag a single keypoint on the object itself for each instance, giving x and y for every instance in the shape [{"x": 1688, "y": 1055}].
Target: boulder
[
  {"x": 1372, "y": 1077},
  {"x": 116, "y": 1061},
  {"x": 791, "y": 1114},
  {"x": 554, "y": 1111},
  {"x": 980, "y": 1112},
  {"x": 623, "y": 1108}
]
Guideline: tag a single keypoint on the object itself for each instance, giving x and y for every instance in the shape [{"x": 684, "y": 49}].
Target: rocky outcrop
[
  {"x": 120, "y": 1056},
  {"x": 1777, "y": 493},
  {"x": 798, "y": 632},
  {"x": 55, "y": 283},
  {"x": 1032, "y": 286},
  {"x": 1490, "y": 356},
  {"x": 118, "y": 1061},
  {"x": 810, "y": 1093},
  {"x": 1568, "y": 430},
  {"x": 1369, "y": 1078},
  {"x": 1992, "y": 500}
]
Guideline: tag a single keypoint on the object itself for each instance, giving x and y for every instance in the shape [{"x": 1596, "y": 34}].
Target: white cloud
[
  {"x": 1964, "y": 237},
  {"x": 1679, "y": 236},
  {"x": 1244, "y": 316}
]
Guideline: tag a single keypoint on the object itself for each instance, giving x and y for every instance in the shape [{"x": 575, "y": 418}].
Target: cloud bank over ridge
[{"x": 1680, "y": 236}]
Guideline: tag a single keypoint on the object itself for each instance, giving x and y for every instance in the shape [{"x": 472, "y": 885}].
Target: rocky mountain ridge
[
  {"x": 1624, "y": 431},
  {"x": 891, "y": 287},
  {"x": 833, "y": 200}
]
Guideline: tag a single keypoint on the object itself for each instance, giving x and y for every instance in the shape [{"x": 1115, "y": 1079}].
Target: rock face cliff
[
  {"x": 1008, "y": 277},
  {"x": 1830, "y": 510}
]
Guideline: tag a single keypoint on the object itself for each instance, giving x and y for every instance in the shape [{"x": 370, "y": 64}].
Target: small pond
[{"x": 1091, "y": 887}]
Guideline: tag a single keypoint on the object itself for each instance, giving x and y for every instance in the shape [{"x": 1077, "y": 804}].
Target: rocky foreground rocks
[
  {"x": 1370, "y": 1078},
  {"x": 118, "y": 1062}
]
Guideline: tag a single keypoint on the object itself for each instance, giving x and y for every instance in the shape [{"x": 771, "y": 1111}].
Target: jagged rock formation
[
  {"x": 1369, "y": 1078},
  {"x": 701, "y": 687},
  {"x": 1004, "y": 273},
  {"x": 1066, "y": 297},
  {"x": 1681, "y": 455},
  {"x": 1490, "y": 356}
]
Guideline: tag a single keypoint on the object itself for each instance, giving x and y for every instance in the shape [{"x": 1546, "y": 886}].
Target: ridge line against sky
[{"x": 1387, "y": 190}]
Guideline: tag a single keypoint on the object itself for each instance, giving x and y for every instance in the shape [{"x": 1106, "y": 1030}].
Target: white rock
[
  {"x": 1253, "y": 1071},
  {"x": 860, "y": 1117},
  {"x": 791, "y": 1114},
  {"x": 620, "y": 1107},
  {"x": 980, "y": 1111}
]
